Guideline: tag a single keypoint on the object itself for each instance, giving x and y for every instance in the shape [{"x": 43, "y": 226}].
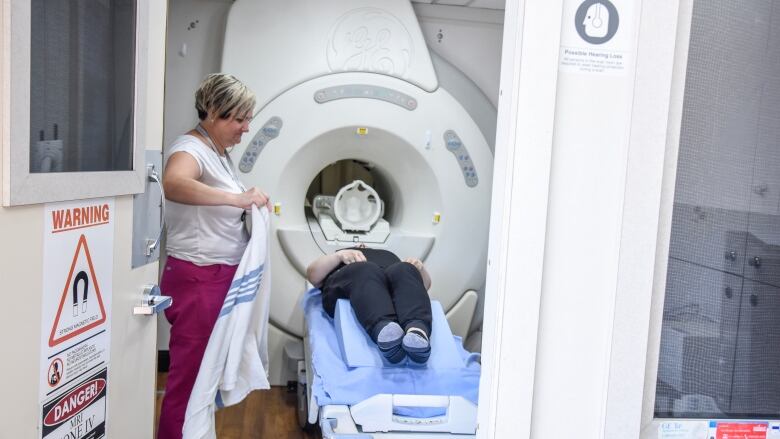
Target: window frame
[
  {"x": 650, "y": 424},
  {"x": 19, "y": 185}
]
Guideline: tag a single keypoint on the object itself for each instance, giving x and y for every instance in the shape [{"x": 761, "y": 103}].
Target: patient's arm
[
  {"x": 423, "y": 272},
  {"x": 318, "y": 270}
]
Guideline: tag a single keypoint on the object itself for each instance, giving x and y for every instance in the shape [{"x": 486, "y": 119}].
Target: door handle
[
  {"x": 152, "y": 302},
  {"x": 152, "y": 175}
]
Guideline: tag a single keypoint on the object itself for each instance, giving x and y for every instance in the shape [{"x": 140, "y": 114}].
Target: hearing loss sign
[
  {"x": 597, "y": 37},
  {"x": 78, "y": 258}
]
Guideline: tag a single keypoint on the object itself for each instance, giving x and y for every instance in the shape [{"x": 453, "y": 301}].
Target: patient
[{"x": 389, "y": 297}]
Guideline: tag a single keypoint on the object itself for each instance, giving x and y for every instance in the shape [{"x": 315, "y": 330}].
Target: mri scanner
[{"x": 347, "y": 90}]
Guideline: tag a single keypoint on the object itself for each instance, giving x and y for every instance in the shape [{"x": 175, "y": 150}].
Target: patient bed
[{"x": 354, "y": 393}]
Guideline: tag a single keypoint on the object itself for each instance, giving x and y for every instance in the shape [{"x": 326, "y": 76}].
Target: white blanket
[{"x": 236, "y": 357}]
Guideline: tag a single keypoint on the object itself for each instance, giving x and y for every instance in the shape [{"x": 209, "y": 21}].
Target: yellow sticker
[
  {"x": 436, "y": 217},
  {"x": 362, "y": 131},
  {"x": 278, "y": 208}
]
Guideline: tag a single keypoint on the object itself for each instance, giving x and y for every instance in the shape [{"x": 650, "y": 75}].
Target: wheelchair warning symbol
[{"x": 81, "y": 304}]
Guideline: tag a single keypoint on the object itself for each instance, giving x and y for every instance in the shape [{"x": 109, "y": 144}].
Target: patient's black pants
[{"x": 396, "y": 293}]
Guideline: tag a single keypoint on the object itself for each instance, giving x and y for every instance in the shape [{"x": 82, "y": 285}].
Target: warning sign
[
  {"x": 79, "y": 412},
  {"x": 78, "y": 274},
  {"x": 741, "y": 430},
  {"x": 55, "y": 372},
  {"x": 88, "y": 312}
]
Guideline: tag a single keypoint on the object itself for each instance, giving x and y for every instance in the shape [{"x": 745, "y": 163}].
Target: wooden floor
[{"x": 263, "y": 414}]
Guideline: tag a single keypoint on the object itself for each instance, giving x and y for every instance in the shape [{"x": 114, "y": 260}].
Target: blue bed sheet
[{"x": 336, "y": 383}]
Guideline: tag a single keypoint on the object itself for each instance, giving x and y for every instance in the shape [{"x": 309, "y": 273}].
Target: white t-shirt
[{"x": 205, "y": 235}]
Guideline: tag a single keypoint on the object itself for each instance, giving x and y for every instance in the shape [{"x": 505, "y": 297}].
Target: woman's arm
[
  {"x": 423, "y": 272},
  {"x": 318, "y": 270},
  {"x": 181, "y": 185}
]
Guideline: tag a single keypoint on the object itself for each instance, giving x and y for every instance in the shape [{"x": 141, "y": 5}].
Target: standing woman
[{"x": 206, "y": 235}]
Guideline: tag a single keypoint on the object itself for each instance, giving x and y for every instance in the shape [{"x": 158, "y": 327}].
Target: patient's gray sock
[
  {"x": 391, "y": 332},
  {"x": 389, "y": 342},
  {"x": 415, "y": 340},
  {"x": 416, "y": 345}
]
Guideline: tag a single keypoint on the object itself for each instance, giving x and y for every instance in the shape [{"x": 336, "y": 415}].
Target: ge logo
[
  {"x": 371, "y": 40},
  {"x": 597, "y": 21}
]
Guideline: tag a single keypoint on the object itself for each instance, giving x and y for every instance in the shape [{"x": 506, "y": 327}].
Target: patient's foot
[
  {"x": 389, "y": 341},
  {"x": 416, "y": 345}
]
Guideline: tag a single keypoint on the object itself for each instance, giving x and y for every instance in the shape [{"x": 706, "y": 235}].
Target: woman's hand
[
  {"x": 349, "y": 256},
  {"x": 255, "y": 196}
]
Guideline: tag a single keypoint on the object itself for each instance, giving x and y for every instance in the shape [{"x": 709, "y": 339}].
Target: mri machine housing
[{"x": 354, "y": 80}]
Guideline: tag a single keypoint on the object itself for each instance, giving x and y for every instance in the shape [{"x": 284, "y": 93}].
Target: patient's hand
[
  {"x": 416, "y": 262},
  {"x": 349, "y": 256},
  {"x": 423, "y": 272}
]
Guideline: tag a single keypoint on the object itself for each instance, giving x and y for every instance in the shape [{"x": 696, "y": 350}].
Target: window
[
  {"x": 720, "y": 337},
  {"x": 82, "y": 65}
]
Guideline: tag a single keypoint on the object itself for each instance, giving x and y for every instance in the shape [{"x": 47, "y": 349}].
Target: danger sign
[
  {"x": 78, "y": 258},
  {"x": 80, "y": 412}
]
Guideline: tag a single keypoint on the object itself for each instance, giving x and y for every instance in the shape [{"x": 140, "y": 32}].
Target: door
[{"x": 81, "y": 103}]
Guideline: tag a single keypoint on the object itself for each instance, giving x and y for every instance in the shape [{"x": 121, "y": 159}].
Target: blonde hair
[{"x": 225, "y": 96}]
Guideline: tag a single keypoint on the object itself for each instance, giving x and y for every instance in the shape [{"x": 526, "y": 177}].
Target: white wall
[
  {"x": 198, "y": 27},
  {"x": 21, "y": 229}
]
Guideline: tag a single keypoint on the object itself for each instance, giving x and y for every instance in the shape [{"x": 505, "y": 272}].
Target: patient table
[{"x": 353, "y": 393}]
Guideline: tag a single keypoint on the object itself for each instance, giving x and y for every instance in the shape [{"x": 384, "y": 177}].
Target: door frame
[
  {"x": 674, "y": 102},
  {"x": 518, "y": 223},
  {"x": 519, "y": 213}
]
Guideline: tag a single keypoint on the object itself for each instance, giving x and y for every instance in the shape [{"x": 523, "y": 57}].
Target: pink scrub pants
[{"x": 198, "y": 293}]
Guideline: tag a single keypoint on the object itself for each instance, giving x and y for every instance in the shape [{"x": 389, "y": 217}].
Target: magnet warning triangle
[{"x": 81, "y": 305}]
